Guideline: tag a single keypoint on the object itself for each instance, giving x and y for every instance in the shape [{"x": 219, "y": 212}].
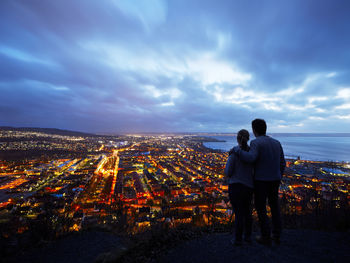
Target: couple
[{"x": 256, "y": 169}]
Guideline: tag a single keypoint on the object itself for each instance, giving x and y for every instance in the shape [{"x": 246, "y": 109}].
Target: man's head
[{"x": 259, "y": 127}]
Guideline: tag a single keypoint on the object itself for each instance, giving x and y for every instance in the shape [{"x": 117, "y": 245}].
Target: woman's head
[{"x": 243, "y": 138}]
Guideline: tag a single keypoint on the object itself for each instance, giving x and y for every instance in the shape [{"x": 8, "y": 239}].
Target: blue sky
[{"x": 163, "y": 66}]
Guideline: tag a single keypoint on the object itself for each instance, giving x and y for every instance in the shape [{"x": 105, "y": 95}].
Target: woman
[{"x": 240, "y": 180}]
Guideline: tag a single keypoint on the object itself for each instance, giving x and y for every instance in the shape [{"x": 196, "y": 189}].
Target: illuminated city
[
  {"x": 132, "y": 182},
  {"x": 177, "y": 131}
]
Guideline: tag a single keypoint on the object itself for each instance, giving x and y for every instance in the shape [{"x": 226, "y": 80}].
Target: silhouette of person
[
  {"x": 240, "y": 179},
  {"x": 267, "y": 156}
]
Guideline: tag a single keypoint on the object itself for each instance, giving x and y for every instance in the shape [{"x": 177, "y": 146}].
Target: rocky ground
[
  {"x": 94, "y": 246},
  {"x": 296, "y": 246},
  {"x": 76, "y": 248}
]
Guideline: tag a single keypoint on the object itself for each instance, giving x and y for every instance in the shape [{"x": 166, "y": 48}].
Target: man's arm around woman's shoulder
[{"x": 250, "y": 156}]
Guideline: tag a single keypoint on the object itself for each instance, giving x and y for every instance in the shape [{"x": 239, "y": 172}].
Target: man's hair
[{"x": 259, "y": 126}]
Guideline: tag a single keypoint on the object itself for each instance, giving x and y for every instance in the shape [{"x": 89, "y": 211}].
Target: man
[{"x": 267, "y": 155}]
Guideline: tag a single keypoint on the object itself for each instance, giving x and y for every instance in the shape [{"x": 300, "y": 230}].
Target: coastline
[
  {"x": 206, "y": 139},
  {"x": 319, "y": 149}
]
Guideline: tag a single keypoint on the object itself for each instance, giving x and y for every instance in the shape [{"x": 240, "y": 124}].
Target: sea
[{"x": 308, "y": 147}]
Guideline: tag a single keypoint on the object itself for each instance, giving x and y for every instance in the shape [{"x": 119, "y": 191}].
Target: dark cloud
[{"x": 175, "y": 65}]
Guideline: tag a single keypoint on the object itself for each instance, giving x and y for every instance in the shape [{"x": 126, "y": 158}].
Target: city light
[{"x": 148, "y": 180}]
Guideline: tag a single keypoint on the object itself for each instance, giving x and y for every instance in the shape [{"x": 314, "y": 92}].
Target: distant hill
[{"x": 47, "y": 131}]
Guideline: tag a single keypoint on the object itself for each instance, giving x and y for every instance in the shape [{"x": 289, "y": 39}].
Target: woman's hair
[{"x": 243, "y": 138}]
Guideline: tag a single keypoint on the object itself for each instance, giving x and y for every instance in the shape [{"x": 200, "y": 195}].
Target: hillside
[
  {"x": 76, "y": 248},
  {"x": 52, "y": 131},
  {"x": 302, "y": 246}
]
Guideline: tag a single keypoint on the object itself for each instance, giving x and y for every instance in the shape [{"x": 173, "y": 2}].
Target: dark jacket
[{"x": 267, "y": 155}]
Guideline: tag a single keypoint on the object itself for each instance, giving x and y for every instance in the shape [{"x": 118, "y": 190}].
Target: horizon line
[{"x": 164, "y": 132}]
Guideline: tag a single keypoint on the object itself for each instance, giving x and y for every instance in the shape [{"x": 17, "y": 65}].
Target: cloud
[
  {"x": 21, "y": 55},
  {"x": 175, "y": 65},
  {"x": 150, "y": 13}
]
